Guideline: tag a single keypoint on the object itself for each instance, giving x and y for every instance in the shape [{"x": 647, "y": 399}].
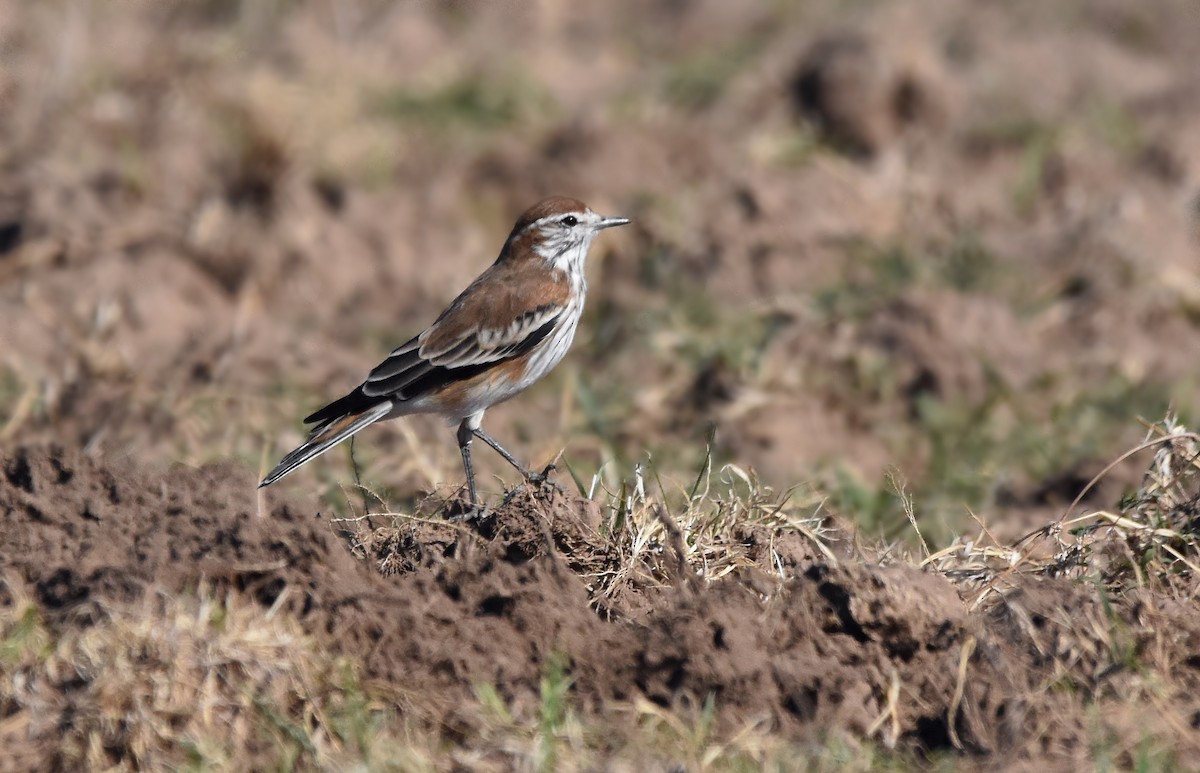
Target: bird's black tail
[{"x": 327, "y": 435}]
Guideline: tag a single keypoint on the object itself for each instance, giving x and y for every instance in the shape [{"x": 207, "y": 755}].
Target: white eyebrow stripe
[{"x": 580, "y": 216}]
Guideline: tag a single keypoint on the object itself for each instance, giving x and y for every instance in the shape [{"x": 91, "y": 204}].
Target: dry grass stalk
[{"x": 1153, "y": 537}]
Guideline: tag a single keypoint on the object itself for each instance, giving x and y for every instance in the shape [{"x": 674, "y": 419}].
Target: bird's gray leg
[
  {"x": 464, "y": 447},
  {"x": 536, "y": 478}
]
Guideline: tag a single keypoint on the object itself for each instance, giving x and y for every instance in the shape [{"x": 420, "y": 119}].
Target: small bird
[{"x": 509, "y": 328}]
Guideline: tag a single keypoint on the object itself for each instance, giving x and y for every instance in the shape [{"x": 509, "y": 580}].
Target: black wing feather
[
  {"x": 408, "y": 375},
  {"x": 434, "y": 377}
]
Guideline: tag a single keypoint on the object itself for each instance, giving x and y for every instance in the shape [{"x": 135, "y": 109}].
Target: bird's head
[{"x": 558, "y": 230}]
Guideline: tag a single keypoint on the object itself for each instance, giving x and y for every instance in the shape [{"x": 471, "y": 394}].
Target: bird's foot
[
  {"x": 467, "y": 512},
  {"x": 540, "y": 479}
]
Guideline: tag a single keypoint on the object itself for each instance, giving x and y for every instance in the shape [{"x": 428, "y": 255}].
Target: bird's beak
[{"x": 609, "y": 222}]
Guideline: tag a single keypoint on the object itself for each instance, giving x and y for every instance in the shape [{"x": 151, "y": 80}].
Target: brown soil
[{"x": 458, "y": 605}]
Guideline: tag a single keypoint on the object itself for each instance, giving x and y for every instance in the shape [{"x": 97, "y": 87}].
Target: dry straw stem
[
  {"x": 891, "y": 711},
  {"x": 964, "y": 659},
  {"x": 20, "y": 412},
  {"x": 705, "y": 533},
  {"x": 1154, "y": 533}
]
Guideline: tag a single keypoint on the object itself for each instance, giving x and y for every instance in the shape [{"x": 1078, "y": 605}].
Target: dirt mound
[
  {"x": 839, "y": 645},
  {"x": 80, "y": 533}
]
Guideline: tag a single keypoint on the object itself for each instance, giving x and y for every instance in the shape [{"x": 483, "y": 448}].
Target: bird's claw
[
  {"x": 469, "y": 513},
  {"x": 540, "y": 479}
]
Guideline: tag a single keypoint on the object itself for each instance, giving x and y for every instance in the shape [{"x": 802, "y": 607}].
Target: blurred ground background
[
  {"x": 936, "y": 248},
  {"x": 955, "y": 242}
]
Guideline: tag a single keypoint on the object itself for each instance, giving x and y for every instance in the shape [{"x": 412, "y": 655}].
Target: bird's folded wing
[{"x": 454, "y": 348}]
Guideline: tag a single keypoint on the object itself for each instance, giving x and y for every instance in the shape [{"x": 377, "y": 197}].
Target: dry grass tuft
[
  {"x": 188, "y": 681},
  {"x": 646, "y": 534},
  {"x": 727, "y": 520},
  {"x": 1152, "y": 538}
]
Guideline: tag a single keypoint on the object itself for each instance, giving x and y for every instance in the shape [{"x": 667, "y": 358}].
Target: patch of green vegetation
[
  {"x": 605, "y": 409},
  {"x": 362, "y": 724},
  {"x": 656, "y": 738},
  {"x": 26, "y": 638},
  {"x": 217, "y": 423},
  {"x": 699, "y": 80},
  {"x": 11, "y": 390},
  {"x": 546, "y": 741},
  {"x": 1108, "y": 754},
  {"x": 1087, "y": 425},
  {"x": 475, "y": 102},
  {"x": 795, "y": 147},
  {"x": 1015, "y": 131},
  {"x": 553, "y": 713},
  {"x": 243, "y": 686},
  {"x": 890, "y": 269},
  {"x": 877, "y": 274},
  {"x": 1137, "y": 28},
  {"x": 967, "y": 265},
  {"x": 970, "y": 458},
  {"x": 706, "y": 331},
  {"x": 373, "y": 169},
  {"x": 1008, "y": 441},
  {"x": 1036, "y": 155},
  {"x": 686, "y": 333},
  {"x": 879, "y": 510},
  {"x": 1037, "y": 141},
  {"x": 133, "y": 168},
  {"x": 979, "y": 448},
  {"x": 1117, "y": 126},
  {"x": 267, "y": 14}
]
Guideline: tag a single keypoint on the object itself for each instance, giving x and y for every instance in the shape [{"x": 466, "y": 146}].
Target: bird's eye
[{"x": 570, "y": 221}]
